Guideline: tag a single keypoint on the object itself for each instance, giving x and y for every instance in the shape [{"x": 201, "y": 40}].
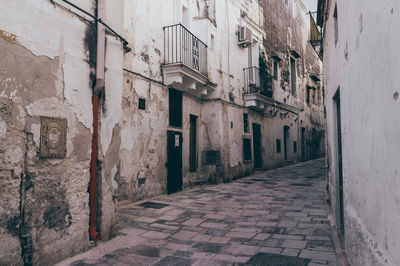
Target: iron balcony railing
[
  {"x": 257, "y": 82},
  {"x": 181, "y": 46}
]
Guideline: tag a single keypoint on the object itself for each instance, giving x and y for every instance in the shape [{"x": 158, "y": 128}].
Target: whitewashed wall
[{"x": 364, "y": 65}]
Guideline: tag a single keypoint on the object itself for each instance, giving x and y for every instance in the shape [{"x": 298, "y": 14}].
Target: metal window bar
[
  {"x": 251, "y": 80},
  {"x": 181, "y": 46}
]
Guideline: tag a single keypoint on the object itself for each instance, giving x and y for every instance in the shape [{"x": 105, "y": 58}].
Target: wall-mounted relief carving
[{"x": 53, "y": 137}]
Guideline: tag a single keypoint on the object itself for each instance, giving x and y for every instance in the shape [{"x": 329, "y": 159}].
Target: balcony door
[
  {"x": 253, "y": 63},
  {"x": 254, "y": 54}
]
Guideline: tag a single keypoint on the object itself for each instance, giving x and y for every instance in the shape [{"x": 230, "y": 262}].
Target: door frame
[
  {"x": 193, "y": 143},
  {"x": 286, "y": 142},
  {"x": 257, "y": 148},
  {"x": 174, "y": 164},
  {"x": 303, "y": 144},
  {"x": 339, "y": 157}
]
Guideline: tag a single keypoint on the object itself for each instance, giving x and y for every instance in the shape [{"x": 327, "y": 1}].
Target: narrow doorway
[
  {"x": 174, "y": 161},
  {"x": 193, "y": 144},
  {"x": 286, "y": 141},
  {"x": 257, "y": 146},
  {"x": 340, "y": 160},
  {"x": 303, "y": 144}
]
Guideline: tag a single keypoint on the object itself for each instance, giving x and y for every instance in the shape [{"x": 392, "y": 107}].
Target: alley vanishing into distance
[{"x": 277, "y": 217}]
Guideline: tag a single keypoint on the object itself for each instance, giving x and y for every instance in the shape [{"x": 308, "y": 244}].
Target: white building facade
[{"x": 360, "y": 79}]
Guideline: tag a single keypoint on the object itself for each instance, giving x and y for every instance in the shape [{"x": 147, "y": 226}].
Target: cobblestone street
[{"x": 278, "y": 216}]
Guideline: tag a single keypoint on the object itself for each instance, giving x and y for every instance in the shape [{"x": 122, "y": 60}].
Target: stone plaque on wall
[
  {"x": 212, "y": 157},
  {"x": 53, "y": 137}
]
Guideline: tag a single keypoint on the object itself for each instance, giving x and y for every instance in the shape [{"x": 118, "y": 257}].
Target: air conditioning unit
[{"x": 245, "y": 36}]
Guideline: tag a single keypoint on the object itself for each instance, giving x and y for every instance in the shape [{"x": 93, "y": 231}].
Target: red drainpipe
[
  {"x": 94, "y": 235},
  {"x": 99, "y": 87}
]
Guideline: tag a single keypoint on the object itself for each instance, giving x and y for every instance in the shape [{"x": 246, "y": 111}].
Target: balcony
[
  {"x": 257, "y": 89},
  {"x": 185, "y": 61},
  {"x": 315, "y": 34}
]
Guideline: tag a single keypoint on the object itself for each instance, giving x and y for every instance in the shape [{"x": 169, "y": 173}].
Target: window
[
  {"x": 293, "y": 75},
  {"x": 278, "y": 146},
  {"x": 294, "y": 146},
  {"x": 246, "y": 150},
  {"x": 336, "y": 26},
  {"x": 142, "y": 104},
  {"x": 246, "y": 123},
  {"x": 308, "y": 95},
  {"x": 175, "y": 108},
  {"x": 275, "y": 70}
]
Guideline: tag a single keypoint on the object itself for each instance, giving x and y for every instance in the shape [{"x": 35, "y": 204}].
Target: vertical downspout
[{"x": 99, "y": 86}]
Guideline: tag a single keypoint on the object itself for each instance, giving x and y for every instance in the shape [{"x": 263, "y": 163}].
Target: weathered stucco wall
[
  {"x": 287, "y": 28},
  {"x": 143, "y": 147},
  {"x": 48, "y": 72},
  {"x": 364, "y": 65},
  {"x": 220, "y": 113}
]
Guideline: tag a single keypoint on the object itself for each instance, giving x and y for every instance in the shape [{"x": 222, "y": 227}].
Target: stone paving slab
[{"x": 277, "y": 215}]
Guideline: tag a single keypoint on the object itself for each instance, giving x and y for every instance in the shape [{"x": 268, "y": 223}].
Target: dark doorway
[
  {"x": 339, "y": 158},
  {"x": 193, "y": 144},
  {"x": 303, "y": 144},
  {"x": 286, "y": 141},
  {"x": 174, "y": 161},
  {"x": 315, "y": 143},
  {"x": 257, "y": 145},
  {"x": 175, "y": 108}
]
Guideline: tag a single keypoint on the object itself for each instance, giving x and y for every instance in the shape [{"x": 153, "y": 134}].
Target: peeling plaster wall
[
  {"x": 48, "y": 71},
  {"x": 110, "y": 118},
  {"x": 287, "y": 27},
  {"x": 146, "y": 129},
  {"x": 364, "y": 64},
  {"x": 144, "y": 143},
  {"x": 143, "y": 135},
  {"x": 146, "y": 57}
]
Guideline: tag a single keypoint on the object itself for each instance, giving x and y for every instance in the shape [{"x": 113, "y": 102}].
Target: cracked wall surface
[
  {"x": 220, "y": 113},
  {"x": 50, "y": 73},
  {"x": 44, "y": 203},
  {"x": 365, "y": 84},
  {"x": 51, "y": 198}
]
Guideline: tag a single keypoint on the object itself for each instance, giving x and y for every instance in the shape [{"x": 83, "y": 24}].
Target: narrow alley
[{"x": 277, "y": 217}]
